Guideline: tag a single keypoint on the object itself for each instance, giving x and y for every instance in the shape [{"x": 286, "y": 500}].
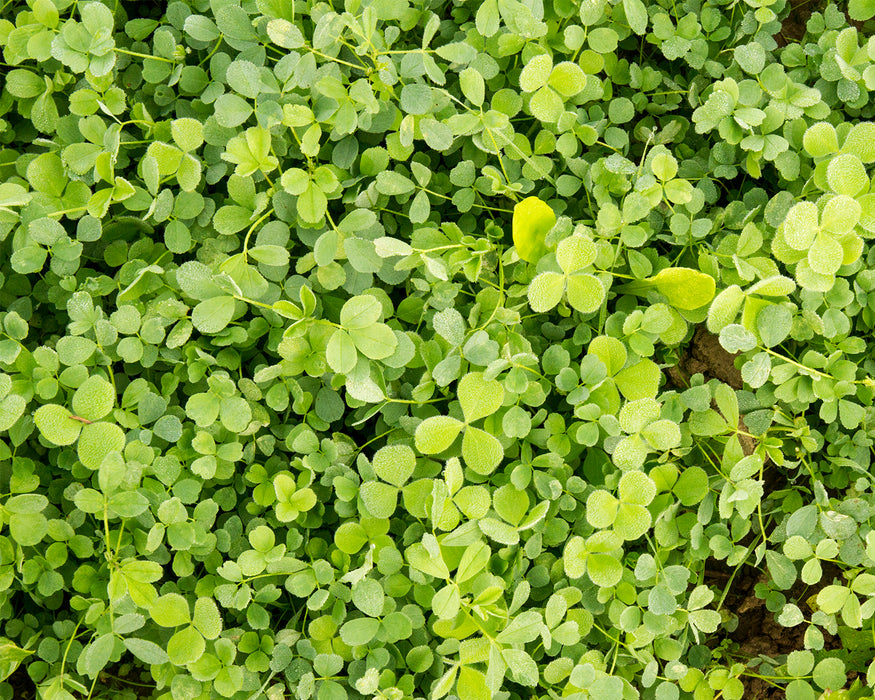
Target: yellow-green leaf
[{"x": 532, "y": 219}]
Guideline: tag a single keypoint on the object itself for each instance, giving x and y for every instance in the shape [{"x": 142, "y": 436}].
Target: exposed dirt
[
  {"x": 758, "y": 632},
  {"x": 704, "y": 355},
  {"x": 793, "y": 27},
  {"x": 23, "y": 688}
]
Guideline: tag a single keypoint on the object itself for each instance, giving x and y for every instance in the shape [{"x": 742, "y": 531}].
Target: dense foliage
[{"x": 346, "y": 350}]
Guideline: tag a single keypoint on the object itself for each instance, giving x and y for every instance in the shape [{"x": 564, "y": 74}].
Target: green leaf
[
  {"x": 522, "y": 629},
  {"x": 479, "y": 397},
  {"x": 97, "y": 441},
  {"x": 341, "y": 352},
  {"x": 185, "y": 647},
  {"x": 636, "y": 14},
  {"x": 861, "y": 10},
  {"x": 395, "y": 464},
  {"x": 436, "y": 434},
  {"x": 567, "y": 78},
  {"x": 56, "y": 424},
  {"x": 380, "y": 499},
  {"x": 359, "y": 631},
  {"x": 11, "y": 409},
  {"x": 546, "y": 291},
  {"x": 585, "y": 293},
  {"x": 367, "y": 596},
  {"x": 481, "y": 450},
  {"x": 213, "y": 315},
  {"x": 207, "y": 619},
  {"x": 575, "y": 253},
  {"x": 170, "y": 610},
  {"x": 94, "y": 398},
  {"x": 684, "y": 288},
  {"x": 146, "y": 651},
  {"x": 846, "y": 175},
  {"x": 376, "y": 342},
  {"x": 536, "y": 73},
  {"x": 532, "y": 219},
  {"x": 820, "y": 140}
]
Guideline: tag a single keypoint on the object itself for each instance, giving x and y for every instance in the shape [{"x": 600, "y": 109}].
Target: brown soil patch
[
  {"x": 705, "y": 355},
  {"x": 793, "y": 27},
  {"x": 23, "y": 688},
  {"x": 758, "y": 632}
]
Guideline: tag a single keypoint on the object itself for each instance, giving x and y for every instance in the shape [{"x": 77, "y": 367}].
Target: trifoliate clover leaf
[
  {"x": 57, "y": 424},
  {"x": 585, "y": 293}
]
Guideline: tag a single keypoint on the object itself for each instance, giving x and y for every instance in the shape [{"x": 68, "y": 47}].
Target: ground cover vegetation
[{"x": 422, "y": 349}]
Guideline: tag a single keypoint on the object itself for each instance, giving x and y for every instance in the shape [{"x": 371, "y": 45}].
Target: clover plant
[{"x": 469, "y": 350}]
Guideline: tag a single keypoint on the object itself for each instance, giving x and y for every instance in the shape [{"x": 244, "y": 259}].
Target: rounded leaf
[
  {"x": 536, "y": 72},
  {"x": 380, "y": 499},
  {"x": 436, "y": 434},
  {"x": 725, "y": 307},
  {"x": 801, "y": 225},
  {"x": 170, "y": 610},
  {"x": 601, "y": 509},
  {"x": 846, "y": 175},
  {"x": 685, "y": 288},
  {"x": 825, "y": 254},
  {"x": 394, "y": 463},
  {"x": 98, "y": 440},
  {"x": 820, "y": 140},
  {"x": 840, "y": 214},
  {"x": 575, "y": 253},
  {"x": 567, "y": 79},
  {"x": 94, "y": 398},
  {"x": 479, "y": 397},
  {"x": 585, "y": 293},
  {"x": 545, "y": 291},
  {"x": 56, "y": 424},
  {"x": 532, "y": 220},
  {"x": 637, "y": 487},
  {"x": 207, "y": 619}
]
